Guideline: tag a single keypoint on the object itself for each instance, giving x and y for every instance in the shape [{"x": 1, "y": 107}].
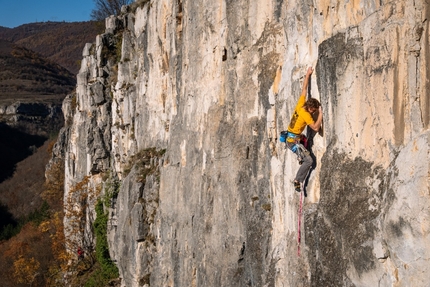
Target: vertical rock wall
[{"x": 213, "y": 83}]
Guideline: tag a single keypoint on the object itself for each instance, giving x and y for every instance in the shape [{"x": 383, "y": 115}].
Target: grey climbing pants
[{"x": 306, "y": 164}]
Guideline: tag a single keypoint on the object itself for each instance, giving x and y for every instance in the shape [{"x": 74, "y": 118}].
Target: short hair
[{"x": 312, "y": 103}]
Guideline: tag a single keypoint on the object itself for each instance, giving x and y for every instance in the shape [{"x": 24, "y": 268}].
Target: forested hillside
[
  {"x": 39, "y": 65},
  {"x": 27, "y": 75},
  {"x": 60, "y": 42}
]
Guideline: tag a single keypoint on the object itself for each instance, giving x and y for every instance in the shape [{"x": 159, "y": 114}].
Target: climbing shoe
[{"x": 297, "y": 186}]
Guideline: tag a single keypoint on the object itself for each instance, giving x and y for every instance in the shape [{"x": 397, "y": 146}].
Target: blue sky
[{"x": 14, "y": 13}]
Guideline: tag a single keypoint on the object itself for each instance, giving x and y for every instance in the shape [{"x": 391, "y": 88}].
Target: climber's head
[{"x": 312, "y": 105}]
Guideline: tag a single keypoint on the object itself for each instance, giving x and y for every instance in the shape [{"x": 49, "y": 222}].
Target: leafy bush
[
  {"x": 111, "y": 50},
  {"x": 111, "y": 190},
  {"x": 107, "y": 269}
]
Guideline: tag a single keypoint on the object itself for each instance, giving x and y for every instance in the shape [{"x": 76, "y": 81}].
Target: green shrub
[
  {"x": 107, "y": 270},
  {"x": 112, "y": 187},
  {"x": 111, "y": 50},
  {"x": 39, "y": 215}
]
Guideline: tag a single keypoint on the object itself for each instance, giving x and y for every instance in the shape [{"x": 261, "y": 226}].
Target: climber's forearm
[
  {"x": 317, "y": 124},
  {"x": 306, "y": 82},
  {"x": 305, "y": 85}
]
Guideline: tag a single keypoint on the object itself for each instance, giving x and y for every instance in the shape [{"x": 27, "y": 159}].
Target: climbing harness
[
  {"x": 296, "y": 142},
  {"x": 286, "y": 136},
  {"x": 299, "y": 224},
  {"x": 297, "y": 138}
]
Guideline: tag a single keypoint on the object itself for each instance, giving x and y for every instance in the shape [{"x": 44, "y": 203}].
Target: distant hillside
[
  {"x": 60, "y": 42},
  {"x": 25, "y": 75},
  {"x": 14, "y": 147},
  {"x": 39, "y": 63}
]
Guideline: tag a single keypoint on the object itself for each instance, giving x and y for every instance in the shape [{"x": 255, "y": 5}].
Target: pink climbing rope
[{"x": 299, "y": 224}]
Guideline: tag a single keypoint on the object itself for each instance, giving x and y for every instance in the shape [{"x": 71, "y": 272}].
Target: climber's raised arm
[{"x": 305, "y": 83}]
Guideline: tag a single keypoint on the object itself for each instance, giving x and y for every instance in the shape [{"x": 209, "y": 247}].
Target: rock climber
[
  {"x": 80, "y": 253},
  {"x": 295, "y": 140}
]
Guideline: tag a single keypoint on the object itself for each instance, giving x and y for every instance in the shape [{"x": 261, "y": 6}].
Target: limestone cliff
[{"x": 180, "y": 104}]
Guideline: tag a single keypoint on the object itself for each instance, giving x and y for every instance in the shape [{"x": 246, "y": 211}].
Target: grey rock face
[
  {"x": 33, "y": 117},
  {"x": 135, "y": 259},
  {"x": 214, "y": 83}
]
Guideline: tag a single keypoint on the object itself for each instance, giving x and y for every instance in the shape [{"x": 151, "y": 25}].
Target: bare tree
[{"x": 106, "y": 8}]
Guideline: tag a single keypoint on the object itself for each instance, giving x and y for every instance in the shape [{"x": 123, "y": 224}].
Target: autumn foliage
[
  {"x": 44, "y": 250},
  {"x": 36, "y": 256}
]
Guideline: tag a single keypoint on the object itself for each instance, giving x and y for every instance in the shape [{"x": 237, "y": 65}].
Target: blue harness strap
[{"x": 293, "y": 136}]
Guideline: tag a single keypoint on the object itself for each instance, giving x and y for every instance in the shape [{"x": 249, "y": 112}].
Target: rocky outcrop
[
  {"x": 42, "y": 118},
  {"x": 213, "y": 84}
]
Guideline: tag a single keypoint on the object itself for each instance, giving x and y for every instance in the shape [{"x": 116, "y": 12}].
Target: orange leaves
[
  {"x": 79, "y": 215},
  {"x": 54, "y": 227},
  {"x": 54, "y": 185},
  {"x": 23, "y": 256},
  {"x": 26, "y": 269}
]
